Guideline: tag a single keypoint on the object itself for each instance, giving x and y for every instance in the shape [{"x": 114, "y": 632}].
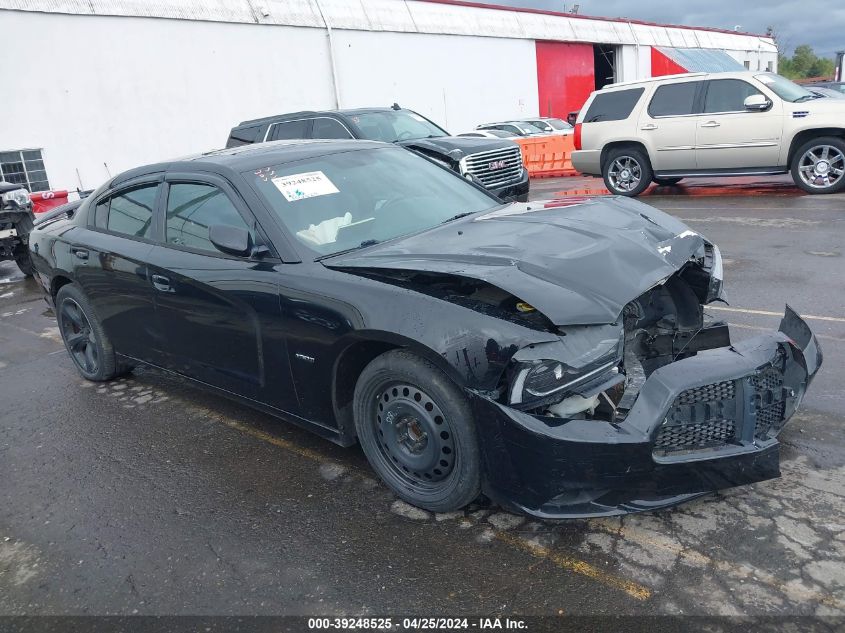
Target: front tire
[
  {"x": 819, "y": 165},
  {"x": 416, "y": 429},
  {"x": 83, "y": 335},
  {"x": 627, "y": 172}
]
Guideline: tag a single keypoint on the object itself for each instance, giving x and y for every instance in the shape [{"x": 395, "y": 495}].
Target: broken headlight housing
[
  {"x": 18, "y": 197},
  {"x": 546, "y": 372},
  {"x": 713, "y": 264}
]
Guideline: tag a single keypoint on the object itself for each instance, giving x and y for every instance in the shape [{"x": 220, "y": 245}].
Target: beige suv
[{"x": 720, "y": 124}]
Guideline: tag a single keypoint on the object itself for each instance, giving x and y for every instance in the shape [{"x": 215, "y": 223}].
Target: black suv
[{"x": 495, "y": 164}]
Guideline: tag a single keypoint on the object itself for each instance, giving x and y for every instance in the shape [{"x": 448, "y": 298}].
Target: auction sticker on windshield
[{"x": 302, "y": 186}]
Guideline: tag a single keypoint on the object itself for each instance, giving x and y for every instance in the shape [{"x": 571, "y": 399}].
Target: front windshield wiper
[
  {"x": 807, "y": 98},
  {"x": 458, "y": 216},
  {"x": 364, "y": 244}
]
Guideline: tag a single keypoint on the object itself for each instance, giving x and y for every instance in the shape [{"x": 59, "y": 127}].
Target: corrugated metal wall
[{"x": 410, "y": 16}]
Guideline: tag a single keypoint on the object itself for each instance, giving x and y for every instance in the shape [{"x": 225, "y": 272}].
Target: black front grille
[
  {"x": 769, "y": 402},
  {"x": 700, "y": 418},
  {"x": 721, "y": 414},
  {"x": 716, "y": 391},
  {"x": 769, "y": 420},
  {"x": 679, "y": 437}
]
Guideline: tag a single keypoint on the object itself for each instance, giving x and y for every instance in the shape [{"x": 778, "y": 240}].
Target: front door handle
[
  {"x": 161, "y": 283},
  {"x": 648, "y": 127},
  {"x": 711, "y": 124},
  {"x": 81, "y": 253}
]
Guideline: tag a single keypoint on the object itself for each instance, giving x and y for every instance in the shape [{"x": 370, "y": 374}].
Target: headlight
[
  {"x": 713, "y": 263},
  {"x": 18, "y": 196},
  {"x": 586, "y": 353}
]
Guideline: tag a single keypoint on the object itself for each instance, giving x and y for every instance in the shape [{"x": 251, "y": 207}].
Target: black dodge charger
[{"x": 554, "y": 356}]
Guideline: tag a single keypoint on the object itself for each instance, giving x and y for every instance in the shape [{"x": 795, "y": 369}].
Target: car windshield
[
  {"x": 785, "y": 89},
  {"x": 558, "y": 124},
  {"x": 339, "y": 202},
  {"x": 395, "y": 125},
  {"x": 527, "y": 128}
]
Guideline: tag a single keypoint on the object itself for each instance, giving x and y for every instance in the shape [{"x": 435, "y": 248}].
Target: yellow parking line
[
  {"x": 774, "y": 314},
  {"x": 576, "y": 565},
  {"x": 561, "y": 560},
  {"x": 267, "y": 437}
]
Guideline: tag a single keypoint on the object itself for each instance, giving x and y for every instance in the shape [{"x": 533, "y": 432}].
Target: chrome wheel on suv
[
  {"x": 627, "y": 172},
  {"x": 819, "y": 165}
]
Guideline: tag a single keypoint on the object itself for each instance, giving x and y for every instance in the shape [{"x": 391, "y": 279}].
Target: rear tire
[
  {"x": 627, "y": 171},
  {"x": 667, "y": 182},
  {"x": 84, "y": 337},
  {"x": 819, "y": 165},
  {"x": 416, "y": 429}
]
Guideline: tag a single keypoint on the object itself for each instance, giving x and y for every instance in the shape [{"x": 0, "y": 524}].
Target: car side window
[
  {"x": 192, "y": 208},
  {"x": 289, "y": 129},
  {"x": 614, "y": 105},
  {"x": 325, "y": 127},
  {"x": 131, "y": 212},
  {"x": 674, "y": 99},
  {"x": 101, "y": 214},
  {"x": 727, "y": 95}
]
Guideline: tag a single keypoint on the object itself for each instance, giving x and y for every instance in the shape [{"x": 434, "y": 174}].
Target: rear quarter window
[
  {"x": 244, "y": 135},
  {"x": 615, "y": 105}
]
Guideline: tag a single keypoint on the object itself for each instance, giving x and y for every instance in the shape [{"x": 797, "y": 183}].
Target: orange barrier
[{"x": 547, "y": 156}]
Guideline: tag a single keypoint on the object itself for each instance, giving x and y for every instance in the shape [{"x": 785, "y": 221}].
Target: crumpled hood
[{"x": 577, "y": 261}]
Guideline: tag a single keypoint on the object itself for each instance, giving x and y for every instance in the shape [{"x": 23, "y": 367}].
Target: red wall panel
[
  {"x": 565, "y": 77},
  {"x": 662, "y": 65}
]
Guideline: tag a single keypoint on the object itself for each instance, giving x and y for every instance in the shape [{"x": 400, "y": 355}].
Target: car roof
[
  {"x": 312, "y": 113},
  {"x": 247, "y": 157}
]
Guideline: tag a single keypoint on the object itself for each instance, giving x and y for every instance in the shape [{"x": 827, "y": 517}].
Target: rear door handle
[
  {"x": 649, "y": 126},
  {"x": 80, "y": 253},
  {"x": 160, "y": 282},
  {"x": 711, "y": 124}
]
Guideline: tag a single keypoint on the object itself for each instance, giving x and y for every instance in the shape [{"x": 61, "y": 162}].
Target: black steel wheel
[
  {"x": 83, "y": 335},
  {"x": 417, "y": 432}
]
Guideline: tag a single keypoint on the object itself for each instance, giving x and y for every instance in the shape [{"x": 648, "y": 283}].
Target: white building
[{"x": 94, "y": 87}]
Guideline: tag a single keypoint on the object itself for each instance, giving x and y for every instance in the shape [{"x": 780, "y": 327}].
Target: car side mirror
[
  {"x": 757, "y": 103},
  {"x": 231, "y": 240}
]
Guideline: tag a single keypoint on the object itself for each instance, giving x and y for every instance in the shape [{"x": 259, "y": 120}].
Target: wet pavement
[{"x": 146, "y": 495}]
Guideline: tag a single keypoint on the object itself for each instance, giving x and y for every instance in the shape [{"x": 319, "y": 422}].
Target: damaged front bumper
[{"x": 698, "y": 425}]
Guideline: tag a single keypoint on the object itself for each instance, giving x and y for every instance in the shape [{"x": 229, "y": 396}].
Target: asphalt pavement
[{"x": 149, "y": 496}]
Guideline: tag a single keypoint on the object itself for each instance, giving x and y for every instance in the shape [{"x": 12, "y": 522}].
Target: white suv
[{"x": 720, "y": 124}]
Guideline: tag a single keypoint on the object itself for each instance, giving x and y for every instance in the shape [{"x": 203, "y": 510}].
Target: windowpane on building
[{"x": 24, "y": 167}]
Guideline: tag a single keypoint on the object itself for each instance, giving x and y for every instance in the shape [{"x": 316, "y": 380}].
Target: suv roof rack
[{"x": 653, "y": 79}]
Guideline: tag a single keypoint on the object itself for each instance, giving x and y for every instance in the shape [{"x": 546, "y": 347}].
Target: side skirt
[{"x": 323, "y": 430}]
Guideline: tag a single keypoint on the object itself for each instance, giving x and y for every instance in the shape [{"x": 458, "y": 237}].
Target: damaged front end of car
[
  {"x": 608, "y": 388},
  {"x": 645, "y": 413}
]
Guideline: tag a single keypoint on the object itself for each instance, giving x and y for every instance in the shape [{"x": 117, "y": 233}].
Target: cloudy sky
[{"x": 815, "y": 22}]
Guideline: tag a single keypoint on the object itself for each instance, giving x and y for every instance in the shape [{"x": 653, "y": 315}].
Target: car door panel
[
  {"x": 737, "y": 138},
  {"x": 215, "y": 312},
  {"x": 112, "y": 272},
  {"x": 220, "y": 314},
  {"x": 668, "y": 126}
]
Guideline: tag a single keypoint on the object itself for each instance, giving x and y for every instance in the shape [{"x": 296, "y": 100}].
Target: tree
[{"x": 805, "y": 63}]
